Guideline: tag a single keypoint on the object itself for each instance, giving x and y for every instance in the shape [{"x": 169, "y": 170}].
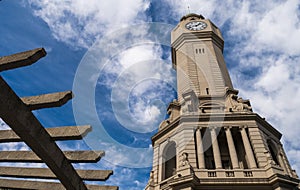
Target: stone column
[
  {"x": 248, "y": 149},
  {"x": 200, "y": 153},
  {"x": 215, "y": 147},
  {"x": 231, "y": 147}
]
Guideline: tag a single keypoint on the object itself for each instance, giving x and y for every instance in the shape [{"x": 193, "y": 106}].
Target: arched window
[
  {"x": 169, "y": 160},
  {"x": 273, "y": 152}
]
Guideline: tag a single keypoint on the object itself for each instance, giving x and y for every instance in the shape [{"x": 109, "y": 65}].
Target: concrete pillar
[
  {"x": 231, "y": 147},
  {"x": 248, "y": 149},
  {"x": 200, "y": 153},
  {"x": 215, "y": 147}
]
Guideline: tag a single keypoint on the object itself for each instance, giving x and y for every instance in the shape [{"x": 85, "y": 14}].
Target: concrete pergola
[{"x": 16, "y": 113}]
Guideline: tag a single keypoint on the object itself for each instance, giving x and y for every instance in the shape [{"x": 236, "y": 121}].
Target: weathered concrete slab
[
  {"x": 45, "y": 173},
  {"x": 30, "y": 156},
  {"x": 57, "y": 133},
  {"x": 84, "y": 156},
  {"x": 47, "y": 100},
  {"x": 69, "y": 132},
  {"x": 19, "y": 117},
  {"x": 24, "y": 184},
  {"x": 21, "y": 59},
  {"x": 95, "y": 175}
]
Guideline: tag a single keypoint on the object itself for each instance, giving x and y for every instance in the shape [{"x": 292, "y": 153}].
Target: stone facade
[{"x": 213, "y": 139}]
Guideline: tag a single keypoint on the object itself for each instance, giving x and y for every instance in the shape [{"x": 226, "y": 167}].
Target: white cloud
[
  {"x": 279, "y": 29},
  {"x": 138, "y": 84},
  {"x": 123, "y": 156},
  {"x": 273, "y": 28},
  {"x": 294, "y": 155},
  {"x": 270, "y": 81},
  {"x": 3, "y": 125},
  {"x": 14, "y": 146},
  {"x": 217, "y": 11},
  {"x": 122, "y": 177},
  {"x": 138, "y": 54},
  {"x": 137, "y": 76},
  {"x": 78, "y": 22},
  {"x": 126, "y": 179},
  {"x": 274, "y": 95}
]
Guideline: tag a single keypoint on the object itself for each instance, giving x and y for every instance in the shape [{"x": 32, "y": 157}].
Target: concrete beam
[
  {"x": 57, "y": 133},
  {"x": 47, "y": 100},
  {"x": 84, "y": 156},
  {"x": 21, "y": 59},
  {"x": 95, "y": 175},
  {"x": 18, "y": 116},
  {"x": 45, "y": 173},
  {"x": 30, "y": 156},
  {"x": 24, "y": 184}
]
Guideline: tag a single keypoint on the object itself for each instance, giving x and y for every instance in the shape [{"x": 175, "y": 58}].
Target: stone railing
[{"x": 231, "y": 173}]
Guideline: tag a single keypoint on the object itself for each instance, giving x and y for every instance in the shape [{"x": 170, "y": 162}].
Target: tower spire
[{"x": 188, "y": 7}]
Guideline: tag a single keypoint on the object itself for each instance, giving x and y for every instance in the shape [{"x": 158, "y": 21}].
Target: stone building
[{"x": 213, "y": 139}]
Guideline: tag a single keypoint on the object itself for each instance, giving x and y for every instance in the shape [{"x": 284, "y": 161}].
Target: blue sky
[{"x": 115, "y": 56}]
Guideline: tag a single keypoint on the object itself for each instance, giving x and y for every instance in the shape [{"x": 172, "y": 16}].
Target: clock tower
[
  {"x": 212, "y": 138},
  {"x": 197, "y": 50}
]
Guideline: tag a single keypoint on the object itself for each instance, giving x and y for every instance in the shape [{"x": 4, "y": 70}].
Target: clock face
[{"x": 196, "y": 25}]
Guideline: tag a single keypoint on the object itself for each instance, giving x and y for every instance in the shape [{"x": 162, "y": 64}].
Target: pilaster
[
  {"x": 248, "y": 149},
  {"x": 215, "y": 146},
  {"x": 186, "y": 143},
  {"x": 155, "y": 167},
  {"x": 259, "y": 147},
  {"x": 231, "y": 147},
  {"x": 200, "y": 152}
]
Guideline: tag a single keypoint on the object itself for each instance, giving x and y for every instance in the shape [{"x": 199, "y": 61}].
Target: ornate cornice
[
  {"x": 196, "y": 118},
  {"x": 185, "y": 37}
]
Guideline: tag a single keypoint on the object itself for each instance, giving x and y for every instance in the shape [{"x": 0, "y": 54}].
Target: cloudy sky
[{"x": 115, "y": 56}]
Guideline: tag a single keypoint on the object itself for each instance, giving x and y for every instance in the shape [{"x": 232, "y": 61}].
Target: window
[
  {"x": 169, "y": 160},
  {"x": 207, "y": 91},
  {"x": 200, "y": 51},
  {"x": 273, "y": 152}
]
